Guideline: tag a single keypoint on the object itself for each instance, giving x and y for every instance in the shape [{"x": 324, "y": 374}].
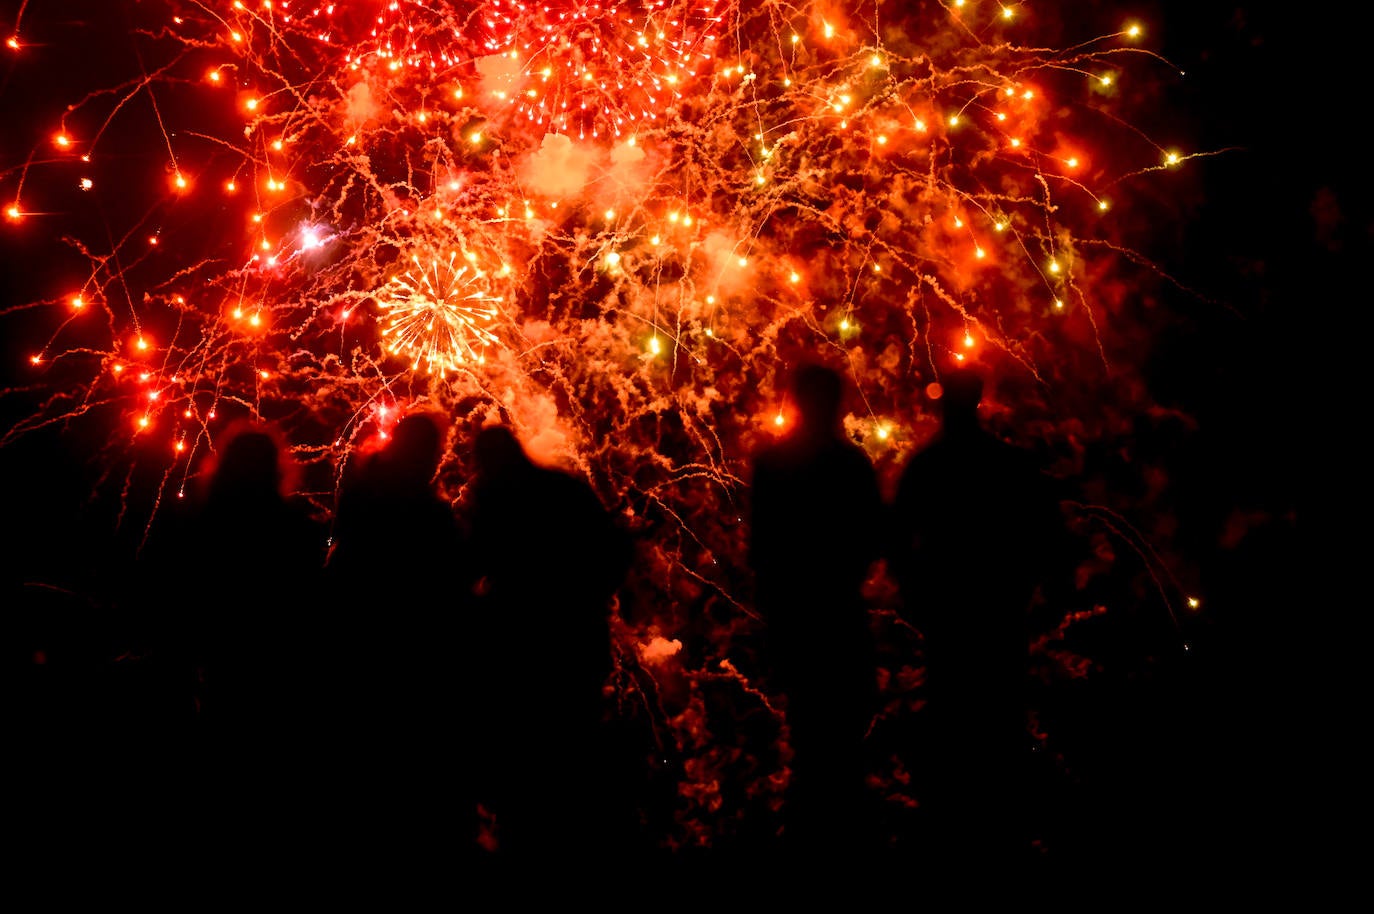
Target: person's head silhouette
[
  {"x": 498, "y": 451},
  {"x": 249, "y": 466},
  {"x": 416, "y": 447},
  {"x": 818, "y": 392},
  {"x": 962, "y": 392}
]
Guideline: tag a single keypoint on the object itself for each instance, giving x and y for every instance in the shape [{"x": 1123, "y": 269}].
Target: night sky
[{"x": 1189, "y": 749}]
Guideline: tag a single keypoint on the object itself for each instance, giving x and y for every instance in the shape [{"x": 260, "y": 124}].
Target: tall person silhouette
[
  {"x": 975, "y": 523},
  {"x": 549, "y": 558},
  {"x": 234, "y": 571},
  {"x": 399, "y": 576},
  {"x": 815, "y": 531}
]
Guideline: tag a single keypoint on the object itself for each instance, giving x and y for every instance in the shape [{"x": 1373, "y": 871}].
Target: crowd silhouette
[{"x": 424, "y": 666}]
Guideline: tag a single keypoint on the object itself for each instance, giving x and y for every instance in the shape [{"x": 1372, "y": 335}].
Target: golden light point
[
  {"x": 475, "y": 138},
  {"x": 1103, "y": 205},
  {"x": 13, "y": 42},
  {"x": 87, "y": 184},
  {"x": 609, "y": 215},
  {"x": 1071, "y": 161},
  {"x": 999, "y": 226},
  {"x": 743, "y": 261},
  {"x": 181, "y": 181},
  {"x": 1105, "y": 79},
  {"x": 1007, "y": 12},
  {"x": 264, "y": 374},
  {"x": 795, "y": 277},
  {"x": 711, "y": 333},
  {"x": 1171, "y": 158},
  {"x": 142, "y": 421},
  {"x": 1028, "y": 94},
  {"x": 877, "y": 268},
  {"x": 1194, "y": 602},
  {"x": 795, "y": 38},
  {"x": 954, "y": 120},
  {"x": 979, "y": 253},
  {"x": 958, "y": 223},
  {"x": 655, "y": 346},
  {"x": 882, "y": 139},
  {"x": 710, "y": 299},
  {"x": 141, "y": 343},
  {"x": 1054, "y": 266},
  {"x": 1015, "y": 143},
  {"x": 613, "y": 258},
  {"x": 778, "y": 420},
  {"x": 36, "y": 359},
  {"x": 958, "y": 356},
  {"x": 257, "y": 217},
  {"x": 179, "y": 446},
  {"x": 968, "y": 341},
  {"x": 919, "y": 125},
  {"x": 238, "y": 313},
  {"x": 251, "y": 104},
  {"x": 875, "y": 61},
  {"x": 1001, "y": 115},
  {"x": 883, "y": 432},
  {"x": 144, "y": 375},
  {"x": 654, "y": 240},
  {"x": 62, "y": 140},
  {"x": 78, "y": 302},
  {"x": 255, "y": 320},
  {"x": 1133, "y": 31},
  {"x": 152, "y": 239},
  {"x": 276, "y": 144},
  {"x": 760, "y": 179},
  {"x": 214, "y": 76},
  {"x": 1059, "y": 303}
]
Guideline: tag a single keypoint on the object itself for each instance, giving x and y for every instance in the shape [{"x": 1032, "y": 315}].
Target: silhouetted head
[
  {"x": 497, "y": 450},
  {"x": 249, "y": 464},
  {"x": 416, "y": 446},
  {"x": 963, "y": 391},
  {"x": 818, "y": 392}
]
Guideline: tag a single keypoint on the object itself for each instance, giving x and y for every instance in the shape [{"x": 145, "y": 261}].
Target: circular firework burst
[{"x": 439, "y": 313}]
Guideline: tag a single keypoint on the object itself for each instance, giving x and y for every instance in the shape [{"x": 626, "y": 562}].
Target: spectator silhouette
[
  {"x": 815, "y": 532},
  {"x": 549, "y": 558},
  {"x": 398, "y": 576},
  {"x": 974, "y": 525},
  {"x": 234, "y": 575}
]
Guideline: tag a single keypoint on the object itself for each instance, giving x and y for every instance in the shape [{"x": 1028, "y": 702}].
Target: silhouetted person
[
  {"x": 549, "y": 558},
  {"x": 816, "y": 529},
  {"x": 235, "y": 573},
  {"x": 975, "y": 523},
  {"x": 399, "y": 583}
]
